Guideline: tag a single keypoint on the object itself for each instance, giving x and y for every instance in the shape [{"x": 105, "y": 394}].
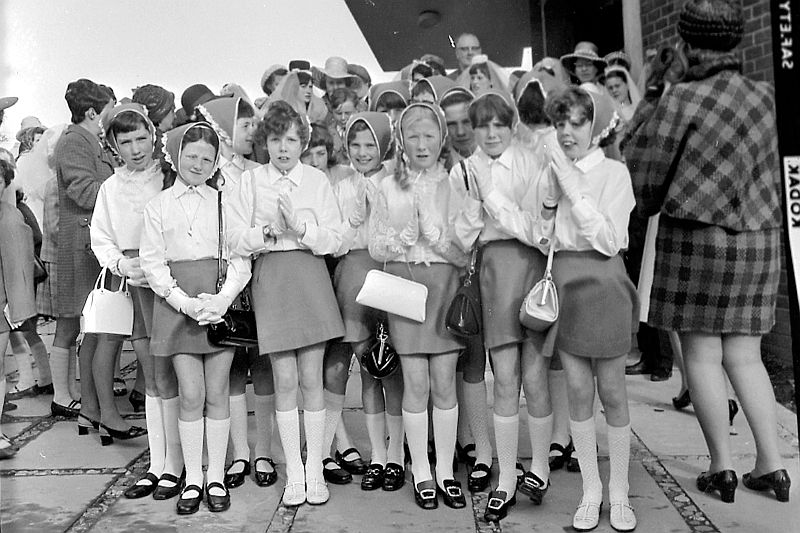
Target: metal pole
[{"x": 544, "y": 27}]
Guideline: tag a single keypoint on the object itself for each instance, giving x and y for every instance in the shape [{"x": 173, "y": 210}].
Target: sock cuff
[
  {"x": 238, "y": 399},
  {"x": 287, "y": 415},
  {"x": 535, "y": 421},
  {"x": 189, "y": 424},
  {"x": 445, "y": 412},
  {"x": 58, "y": 350},
  {"x": 621, "y": 432},
  {"x": 500, "y": 419},
  {"x": 215, "y": 423},
  {"x": 314, "y": 415},
  {"x": 584, "y": 425},
  {"x": 167, "y": 402},
  {"x": 421, "y": 414}
]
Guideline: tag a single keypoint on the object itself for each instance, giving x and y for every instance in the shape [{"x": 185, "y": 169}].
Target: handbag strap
[{"x": 220, "y": 266}]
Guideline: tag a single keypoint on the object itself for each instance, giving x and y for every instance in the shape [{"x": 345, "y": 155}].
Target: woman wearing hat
[
  {"x": 483, "y": 75},
  {"x": 584, "y": 65},
  {"x": 717, "y": 188},
  {"x": 334, "y": 76},
  {"x": 269, "y": 82}
]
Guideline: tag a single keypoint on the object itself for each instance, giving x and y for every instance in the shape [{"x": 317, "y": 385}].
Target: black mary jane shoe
[
  {"x": 466, "y": 453},
  {"x": 452, "y": 495},
  {"x": 233, "y": 480},
  {"x": 141, "y": 490},
  {"x": 425, "y": 494},
  {"x": 136, "y": 400},
  {"x": 335, "y": 474},
  {"x": 724, "y": 481},
  {"x": 777, "y": 481},
  {"x": 558, "y": 460},
  {"x": 356, "y": 466},
  {"x": 682, "y": 400},
  {"x": 107, "y": 434},
  {"x": 189, "y": 505},
  {"x": 394, "y": 477},
  {"x": 480, "y": 482},
  {"x": 162, "y": 492},
  {"x": 498, "y": 505},
  {"x": 67, "y": 411},
  {"x": 264, "y": 479},
  {"x": 217, "y": 504},
  {"x": 373, "y": 478},
  {"x": 534, "y": 488}
]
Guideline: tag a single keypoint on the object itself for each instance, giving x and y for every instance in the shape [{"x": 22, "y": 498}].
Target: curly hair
[{"x": 279, "y": 119}]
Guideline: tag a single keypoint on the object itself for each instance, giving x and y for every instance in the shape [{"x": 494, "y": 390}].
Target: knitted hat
[
  {"x": 131, "y": 107},
  {"x": 158, "y": 101},
  {"x": 400, "y": 88},
  {"x": 173, "y": 139},
  {"x": 583, "y": 50},
  {"x": 438, "y": 113},
  {"x": 222, "y": 115},
  {"x": 711, "y": 24},
  {"x": 194, "y": 95},
  {"x": 379, "y": 124}
]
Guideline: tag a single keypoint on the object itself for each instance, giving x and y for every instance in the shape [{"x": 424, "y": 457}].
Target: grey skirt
[
  {"x": 143, "y": 299},
  {"x": 359, "y": 320},
  {"x": 294, "y": 302}
]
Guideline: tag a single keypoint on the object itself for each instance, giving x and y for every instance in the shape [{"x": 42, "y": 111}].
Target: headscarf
[
  {"x": 173, "y": 140},
  {"x": 379, "y": 124},
  {"x": 400, "y": 88},
  {"x": 439, "y": 85},
  {"x": 506, "y": 97},
  {"x": 222, "y": 115},
  {"x": 496, "y": 74},
  {"x": 131, "y": 107}
]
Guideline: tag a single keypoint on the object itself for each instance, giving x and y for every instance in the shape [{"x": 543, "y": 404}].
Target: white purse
[
  {"x": 107, "y": 311},
  {"x": 539, "y": 309},
  {"x": 394, "y": 294}
]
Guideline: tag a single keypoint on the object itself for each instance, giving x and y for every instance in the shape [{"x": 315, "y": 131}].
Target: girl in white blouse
[
  {"x": 116, "y": 231},
  {"x": 500, "y": 170},
  {"x": 178, "y": 255},
  {"x": 410, "y": 235},
  {"x": 286, "y": 215}
]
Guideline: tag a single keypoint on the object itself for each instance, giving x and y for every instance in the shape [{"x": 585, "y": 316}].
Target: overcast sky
[{"x": 173, "y": 43}]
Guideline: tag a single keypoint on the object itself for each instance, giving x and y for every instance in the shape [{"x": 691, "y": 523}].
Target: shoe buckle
[
  {"x": 495, "y": 504},
  {"x": 427, "y": 494},
  {"x": 453, "y": 492}
]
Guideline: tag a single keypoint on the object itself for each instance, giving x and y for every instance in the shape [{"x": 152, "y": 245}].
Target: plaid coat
[
  {"x": 707, "y": 151},
  {"x": 81, "y": 167}
]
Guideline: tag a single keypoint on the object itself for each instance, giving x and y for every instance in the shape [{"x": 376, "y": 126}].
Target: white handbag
[
  {"x": 394, "y": 294},
  {"x": 539, "y": 309},
  {"x": 108, "y": 311}
]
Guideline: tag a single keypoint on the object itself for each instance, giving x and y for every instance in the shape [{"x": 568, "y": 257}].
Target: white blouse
[
  {"x": 232, "y": 170},
  {"x": 182, "y": 224},
  {"x": 346, "y": 191}
]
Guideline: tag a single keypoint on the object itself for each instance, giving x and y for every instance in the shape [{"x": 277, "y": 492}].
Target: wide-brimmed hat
[
  {"x": 335, "y": 68},
  {"x": 7, "y": 101},
  {"x": 130, "y": 107},
  {"x": 398, "y": 87},
  {"x": 379, "y": 124},
  {"x": 173, "y": 139},
  {"x": 583, "y": 50}
]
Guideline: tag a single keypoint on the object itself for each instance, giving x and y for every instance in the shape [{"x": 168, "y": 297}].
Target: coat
[{"x": 16, "y": 266}]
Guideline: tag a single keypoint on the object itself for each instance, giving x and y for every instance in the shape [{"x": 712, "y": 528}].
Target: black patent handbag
[{"x": 380, "y": 359}]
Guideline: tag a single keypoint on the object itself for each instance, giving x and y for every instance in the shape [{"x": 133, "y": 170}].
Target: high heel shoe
[
  {"x": 682, "y": 400},
  {"x": 83, "y": 429},
  {"x": 777, "y": 481},
  {"x": 107, "y": 434},
  {"x": 733, "y": 409},
  {"x": 136, "y": 400},
  {"x": 725, "y": 481}
]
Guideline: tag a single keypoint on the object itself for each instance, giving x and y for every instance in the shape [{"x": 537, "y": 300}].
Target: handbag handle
[
  {"x": 220, "y": 275},
  {"x": 474, "y": 256},
  {"x": 101, "y": 281}
]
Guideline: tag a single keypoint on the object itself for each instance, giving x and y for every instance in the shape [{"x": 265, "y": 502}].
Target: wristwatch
[{"x": 267, "y": 232}]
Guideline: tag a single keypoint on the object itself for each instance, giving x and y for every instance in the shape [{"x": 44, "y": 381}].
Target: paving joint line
[
  {"x": 36, "y": 472},
  {"x": 282, "y": 519}
]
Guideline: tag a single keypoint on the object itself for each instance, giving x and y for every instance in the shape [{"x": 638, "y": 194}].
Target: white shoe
[
  {"x": 294, "y": 494},
  {"x": 622, "y": 517},
  {"x": 317, "y": 492},
  {"x": 587, "y": 515}
]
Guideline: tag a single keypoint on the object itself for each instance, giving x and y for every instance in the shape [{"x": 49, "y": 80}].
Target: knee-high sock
[
  {"x": 192, "y": 444},
  {"x": 314, "y": 424},
  {"x": 585, "y": 440},
  {"x": 23, "y": 359},
  {"x": 506, "y": 432},
  {"x": 376, "y": 429},
  {"x": 557, "y": 383},
  {"x": 343, "y": 441},
  {"x": 265, "y": 424},
  {"x": 540, "y": 431},
  {"x": 416, "y": 425},
  {"x": 394, "y": 451},
  {"x": 619, "y": 454},
  {"x": 445, "y": 426},
  {"x": 333, "y": 414},
  {"x": 239, "y": 427},
  {"x": 39, "y": 352},
  {"x": 154, "y": 418},
  {"x": 289, "y": 430},
  {"x": 74, "y": 373},
  {"x": 59, "y": 367},
  {"x": 174, "y": 455},
  {"x": 217, "y": 443},
  {"x": 478, "y": 413}
]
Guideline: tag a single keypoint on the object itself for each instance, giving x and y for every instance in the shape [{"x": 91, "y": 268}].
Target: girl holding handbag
[
  {"x": 506, "y": 179},
  {"x": 368, "y": 143},
  {"x": 409, "y": 232},
  {"x": 178, "y": 253},
  {"x": 290, "y": 222}
]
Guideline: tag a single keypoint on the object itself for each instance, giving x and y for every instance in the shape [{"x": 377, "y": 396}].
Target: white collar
[
  {"x": 590, "y": 160},
  {"x": 295, "y": 175},
  {"x": 180, "y": 188}
]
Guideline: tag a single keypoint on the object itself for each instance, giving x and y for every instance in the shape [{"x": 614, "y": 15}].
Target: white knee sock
[
  {"x": 619, "y": 454},
  {"x": 541, "y": 431},
  {"x": 416, "y": 425},
  {"x": 217, "y": 444},
  {"x": 289, "y": 430},
  {"x": 265, "y": 424},
  {"x": 156, "y": 439},
  {"x": 477, "y": 411},
  {"x": 74, "y": 374},
  {"x": 39, "y": 352},
  {"x": 192, "y": 444},
  {"x": 174, "y": 455},
  {"x": 23, "y": 359},
  {"x": 239, "y": 428},
  {"x": 506, "y": 432},
  {"x": 445, "y": 425},
  {"x": 394, "y": 451},
  {"x": 585, "y": 440},
  {"x": 333, "y": 415},
  {"x": 314, "y": 424},
  {"x": 376, "y": 429},
  {"x": 343, "y": 441},
  {"x": 59, "y": 367}
]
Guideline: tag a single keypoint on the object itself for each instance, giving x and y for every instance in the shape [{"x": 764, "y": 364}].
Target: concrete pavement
[{"x": 62, "y": 482}]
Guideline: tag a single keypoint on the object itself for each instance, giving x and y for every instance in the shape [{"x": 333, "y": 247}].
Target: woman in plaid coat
[{"x": 714, "y": 178}]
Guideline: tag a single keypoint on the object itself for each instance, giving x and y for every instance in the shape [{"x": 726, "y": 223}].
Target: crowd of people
[{"x": 656, "y": 202}]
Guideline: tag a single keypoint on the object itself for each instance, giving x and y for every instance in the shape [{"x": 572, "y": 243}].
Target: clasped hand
[
  {"x": 286, "y": 208},
  {"x": 210, "y": 308},
  {"x": 131, "y": 268}
]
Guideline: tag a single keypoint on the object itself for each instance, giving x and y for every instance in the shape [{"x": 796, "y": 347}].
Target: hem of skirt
[
  {"x": 427, "y": 353},
  {"x": 212, "y": 352},
  {"x": 593, "y": 353},
  {"x": 504, "y": 342},
  {"x": 286, "y": 347},
  {"x": 753, "y": 332}
]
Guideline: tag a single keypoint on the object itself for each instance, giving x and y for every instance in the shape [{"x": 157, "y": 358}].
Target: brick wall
[{"x": 659, "y": 23}]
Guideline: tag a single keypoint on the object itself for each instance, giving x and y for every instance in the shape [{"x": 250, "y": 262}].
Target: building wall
[{"x": 659, "y": 27}]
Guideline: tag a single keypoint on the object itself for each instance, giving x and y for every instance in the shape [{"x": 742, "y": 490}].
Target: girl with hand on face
[
  {"x": 178, "y": 255},
  {"x": 410, "y": 235},
  {"x": 506, "y": 180},
  {"x": 116, "y": 232},
  {"x": 290, "y": 222}
]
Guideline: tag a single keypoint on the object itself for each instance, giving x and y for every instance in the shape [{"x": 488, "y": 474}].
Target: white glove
[
  {"x": 429, "y": 221},
  {"x": 130, "y": 268},
  {"x": 212, "y": 307},
  {"x": 183, "y": 303},
  {"x": 566, "y": 175},
  {"x": 290, "y": 215},
  {"x": 7, "y": 314},
  {"x": 482, "y": 177},
  {"x": 410, "y": 234},
  {"x": 359, "y": 214}
]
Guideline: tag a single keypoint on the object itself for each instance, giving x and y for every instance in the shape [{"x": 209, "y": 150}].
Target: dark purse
[
  {"x": 39, "y": 272},
  {"x": 238, "y": 326},
  {"x": 380, "y": 359},
  {"x": 464, "y": 316}
]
